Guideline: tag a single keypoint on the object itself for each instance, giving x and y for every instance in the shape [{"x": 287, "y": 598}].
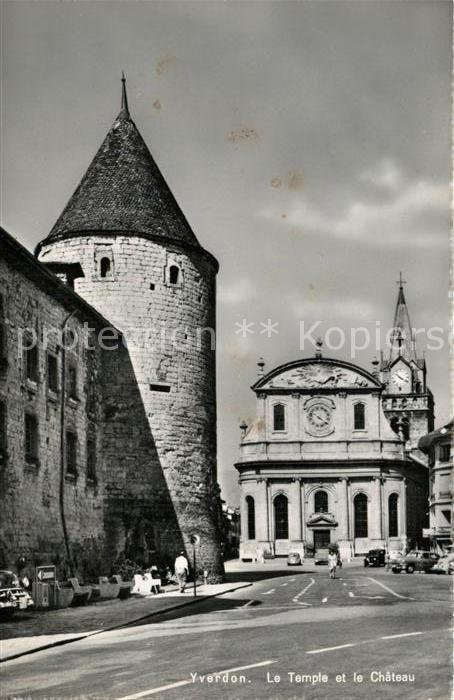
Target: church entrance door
[{"x": 322, "y": 539}]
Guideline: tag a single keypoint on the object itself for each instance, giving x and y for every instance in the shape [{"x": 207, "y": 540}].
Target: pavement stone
[{"x": 39, "y": 629}]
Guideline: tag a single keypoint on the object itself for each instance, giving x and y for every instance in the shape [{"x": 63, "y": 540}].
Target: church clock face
[
  {"x": 401, "y": 379},
  {"x": 319, "y": 418}
]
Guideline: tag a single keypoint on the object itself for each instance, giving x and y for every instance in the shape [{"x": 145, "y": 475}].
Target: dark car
[
  {"x": 416, "y": 560},
  {"x": 375, "y": 557}
]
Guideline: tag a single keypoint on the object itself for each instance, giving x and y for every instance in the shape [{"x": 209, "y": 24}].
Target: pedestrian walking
[
  {"x": 181, "y": 571},
  {"x": 332, "y": 563}
]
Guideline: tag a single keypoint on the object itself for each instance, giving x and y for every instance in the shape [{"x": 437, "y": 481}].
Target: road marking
[
  {"x": 390, "y": 590},
  {"x": 284, "y": 584},
  {"x": 240, "y": 607},
  {"x": 306, "y": 588},
  {"x": 178, "y": 684},
  {"x": 292, "y": 579},
  {"x": 407, "y": 634},
  {"x": 270, "y": 591},
  {"x": 320, "y": 651},
  {"x": 351, "y": 595},
  {"x": 324, "y": 600}
]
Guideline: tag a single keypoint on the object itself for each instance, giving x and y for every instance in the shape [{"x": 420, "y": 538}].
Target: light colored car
[
  {"x": 416, "y": 560},
  {"x": 294, "y": 559},
  {"x": 321, "y": 556},
  {"x": 12, "y": 596},
  {"x": 445, "y": 565}
]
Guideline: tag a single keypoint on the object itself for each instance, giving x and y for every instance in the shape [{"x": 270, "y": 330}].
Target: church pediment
[{"x": 318, "y": 374}]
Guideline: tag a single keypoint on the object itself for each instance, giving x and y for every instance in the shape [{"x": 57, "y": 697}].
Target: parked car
[
  {"x": 12, "y": 596},
  {"x": 294, "y": 559},
  {"x": 375, "y": 557},
  {"x": 445, "y": 565},
  {"x": 416, "y": 560},
  {"x": 321, "y": 556}
]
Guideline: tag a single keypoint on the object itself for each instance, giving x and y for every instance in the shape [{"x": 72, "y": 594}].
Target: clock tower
[{"x": 407, "y": 401}]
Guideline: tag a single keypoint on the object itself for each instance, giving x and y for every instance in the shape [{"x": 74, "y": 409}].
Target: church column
[
  {"x": 261, "y": 512},
  {"x": 345, "y": 547},
  {"x": 304, "y": 510},
  {"x": 375, "y": 510},
  {"x": 295, "y": 524},
  {"x": 403, "y": 512}
]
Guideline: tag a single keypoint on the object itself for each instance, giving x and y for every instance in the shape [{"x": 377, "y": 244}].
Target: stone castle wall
[{"x": 30, "y": 517}]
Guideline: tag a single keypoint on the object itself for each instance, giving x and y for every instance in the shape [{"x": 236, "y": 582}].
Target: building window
[
  {"x": 250, "y": 504},
  {"x": 321, "y": 502},
  {"x": 71, "y": 453},
  {"x": 393, "y": 518},
  {"x": 174, "y": 274},
  {"x": 360, "y": 507},
  {"x": 445, "y": 453},
  {"x": 31, "y": 438},
  {"x": 52, "y": 373},
  {"x": 279, "y": 417},
  {"x": 281, "y": 517},
  {"x": 91, "y": 459},
  {"x": 31, "y": 358},
  {"x": 104, "y": 267},
  {"x": 359, "y": 414},
  {"x": 72, "y": 382}
]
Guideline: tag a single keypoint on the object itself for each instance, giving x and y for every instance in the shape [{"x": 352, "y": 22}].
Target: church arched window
[
  {"x": 104, "y": 267},
  {"x": 359, "y": 416},
  {"x": 279, "y": 416},
  {"x": 393, "y": 518},
  {"x": 281, "y": 517},
  {"x": 321, "y": 502},
  {"x": 360, "y": 509},
  {"x": 250, "y": 505}
]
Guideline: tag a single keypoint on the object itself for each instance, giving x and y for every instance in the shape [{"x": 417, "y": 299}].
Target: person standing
[
  {"x": 181, "y": 571},
  {"x": 332, "y": 563}
]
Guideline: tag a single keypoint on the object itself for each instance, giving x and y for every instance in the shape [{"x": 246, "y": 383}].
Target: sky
[{"x": 308, "y": 144}]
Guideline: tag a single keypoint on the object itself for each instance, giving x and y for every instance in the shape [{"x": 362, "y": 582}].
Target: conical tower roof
[
  {"x": 123, "y": 191},
  {"x": 402, "y": 343}
]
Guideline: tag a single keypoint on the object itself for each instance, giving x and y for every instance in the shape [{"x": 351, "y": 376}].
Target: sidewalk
[{"x": 31, "y": 631}]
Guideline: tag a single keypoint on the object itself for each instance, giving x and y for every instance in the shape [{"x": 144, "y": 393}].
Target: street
[{"x": 293, "y": 634}]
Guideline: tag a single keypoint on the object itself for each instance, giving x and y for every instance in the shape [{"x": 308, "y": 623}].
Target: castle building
[
  {"x": 123, "y": 260},
  {"x": 438, "y": 446},
  {"x": 325, "y": 462}
]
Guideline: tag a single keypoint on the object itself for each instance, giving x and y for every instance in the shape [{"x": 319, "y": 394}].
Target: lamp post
[{"x": 195, "y": 540}]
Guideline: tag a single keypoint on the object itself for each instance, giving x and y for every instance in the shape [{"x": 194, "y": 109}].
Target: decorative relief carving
[{"x": 319, "y": 375}]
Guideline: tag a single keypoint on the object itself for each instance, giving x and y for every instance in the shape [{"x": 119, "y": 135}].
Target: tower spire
[
  {"x": 402, "y": 343},
  {"x": 124, "y": 97}
]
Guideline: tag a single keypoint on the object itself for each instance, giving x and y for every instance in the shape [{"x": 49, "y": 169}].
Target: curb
[{"x": 183, "y": 604}]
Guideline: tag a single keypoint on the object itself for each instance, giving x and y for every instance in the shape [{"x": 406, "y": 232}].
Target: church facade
[{"x": 332, "y": 458}]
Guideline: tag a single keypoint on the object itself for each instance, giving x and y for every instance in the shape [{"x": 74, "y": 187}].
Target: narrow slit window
[
  {"x": 31, "y": 438},
  {"x": 105, "y": 267},
  {"x": 71, "y": 453},
  {"x": 174, "y": 274}
]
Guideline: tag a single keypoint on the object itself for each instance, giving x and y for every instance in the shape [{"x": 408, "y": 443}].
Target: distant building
[
  {"x": 108, "y": 453},
  {"x": 438, "y": 446},
  {"x": 230, "y": 530},
  {"x": 332, "y": 456}
]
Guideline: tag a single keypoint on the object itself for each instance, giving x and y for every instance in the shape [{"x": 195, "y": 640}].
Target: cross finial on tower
[
  {"x": 401, "y": 281},
  {"x": 124, "y": 97}
]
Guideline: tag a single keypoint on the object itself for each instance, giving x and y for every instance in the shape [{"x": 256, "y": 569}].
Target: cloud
[
  {"x": 237, "y": 291},
  {"x": 339, "y": 308},
  {"x": 416, "y": 214},
  {"x": 386, "y": 175}
]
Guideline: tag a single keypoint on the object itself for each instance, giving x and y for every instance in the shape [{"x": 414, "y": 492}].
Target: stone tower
[
  {"x": 408, "y": 401},
  {"x": 146, "y": 272}
]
